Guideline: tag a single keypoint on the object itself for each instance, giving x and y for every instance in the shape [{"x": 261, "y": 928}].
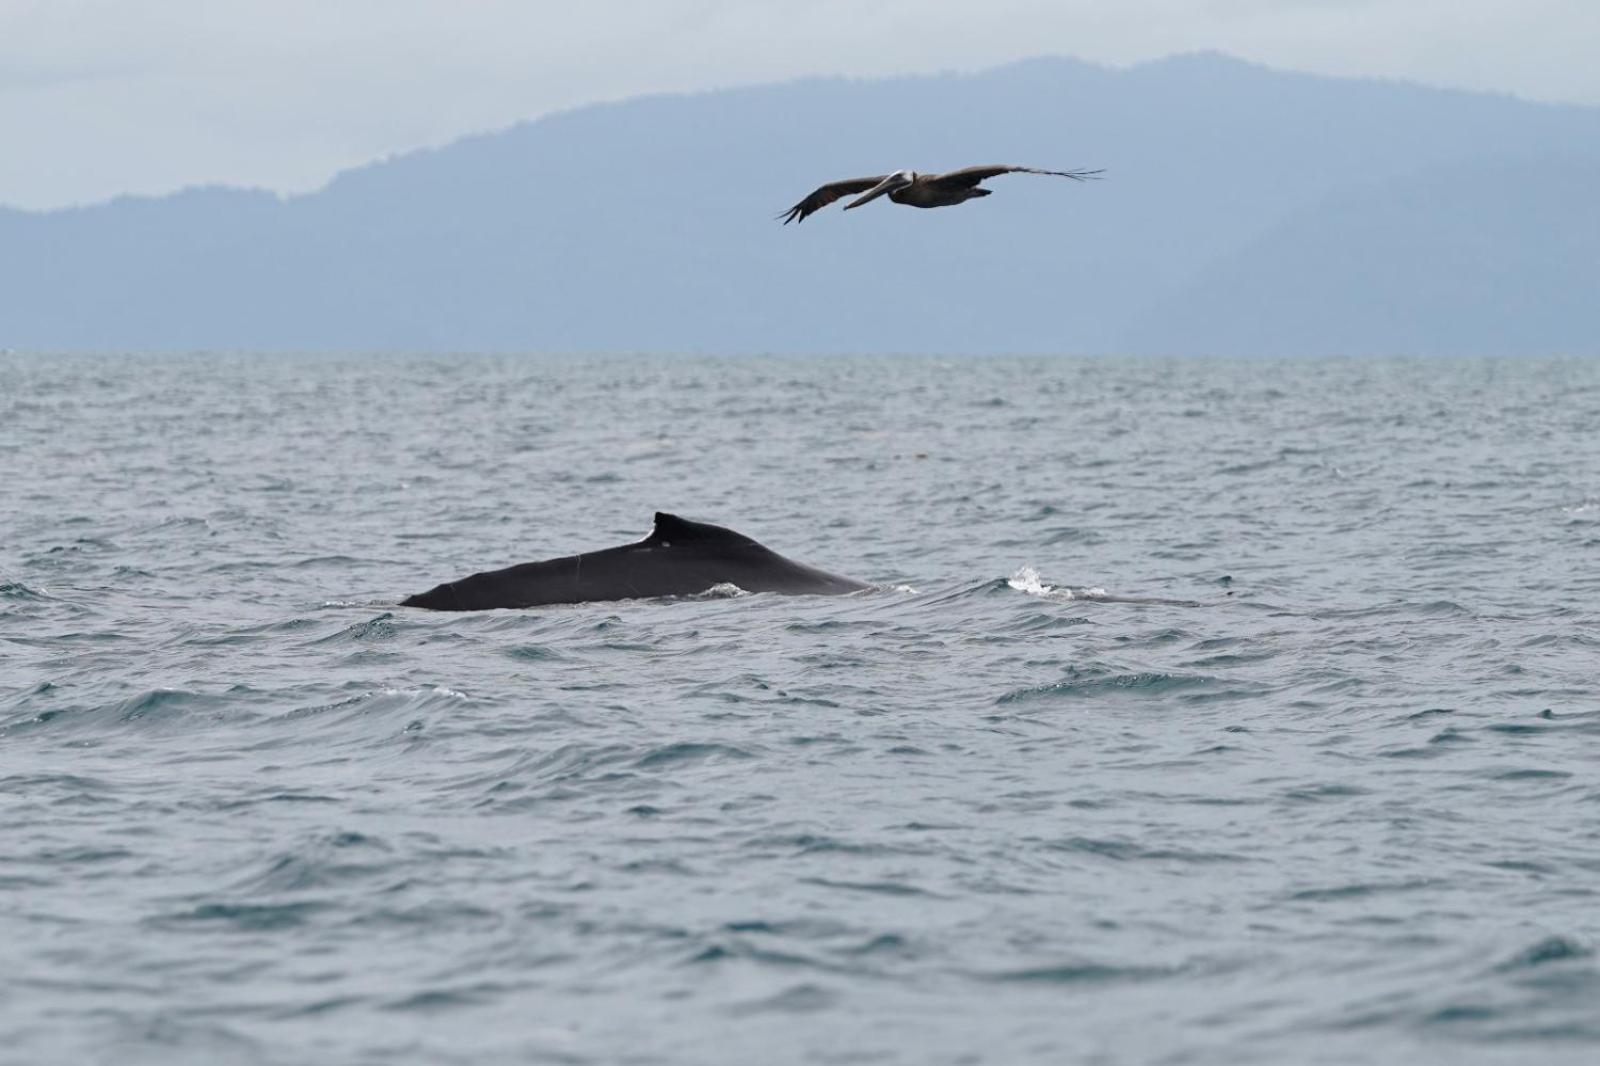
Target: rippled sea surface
[{"x": 1336, "y": 801}]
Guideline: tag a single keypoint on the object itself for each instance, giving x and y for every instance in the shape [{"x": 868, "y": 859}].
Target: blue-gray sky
[{"x": 104, "y": 97}]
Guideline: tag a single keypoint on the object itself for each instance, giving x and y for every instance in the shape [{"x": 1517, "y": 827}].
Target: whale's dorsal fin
[{"x": 670, "y": 529}]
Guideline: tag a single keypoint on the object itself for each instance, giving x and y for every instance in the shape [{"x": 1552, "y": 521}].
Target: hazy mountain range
[{"x": 1243, "y": 210}]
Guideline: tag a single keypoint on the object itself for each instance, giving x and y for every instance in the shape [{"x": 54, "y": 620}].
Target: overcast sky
[{"x": 101, "y": 97}]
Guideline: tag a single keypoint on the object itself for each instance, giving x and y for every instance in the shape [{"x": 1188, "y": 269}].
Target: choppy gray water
[{"x": 1344, "y": 809}]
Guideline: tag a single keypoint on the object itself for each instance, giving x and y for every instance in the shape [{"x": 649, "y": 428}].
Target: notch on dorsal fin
[{"x": 671, "y": 529}]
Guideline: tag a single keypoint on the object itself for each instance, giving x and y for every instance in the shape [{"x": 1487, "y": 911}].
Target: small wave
[
  {"x": 1149, "y": 682},
  {"x": 339, "y": 562},
  {"x": 426, "y": 691},
  {"x": 273, "y": 796},
  {"x": 320, "y": 863},
  {"x": 158, "y": 703},
  {"x": 382, "y": 701},
  {"x": 686, "y": 752},
  {"x": 17, "y": 591},
  {"x": 798, "y": 999},
  {"x": 740, "y": 948},
  {"x": 826, "y": 625},
  {"x": 1553, "y": 949},
  {"x": 1076, "y": 973},
  {"x": 814, "y": 844},
  {"x": 1125, "y": 851},
  {"x": 1531, "y": 774},
  {"x": 889, "y": 944},
  {"x": 433, "y": 915},
  {"x": 1027, "y": 580},
  {"x": 882, "y": 888},
  {"x": 382, "y": 627},
  {"x": 965, "y": 592},
  {"x": 60, "y": 786},
  {"x": 449, "y": 999},
  {"x": 247, "y": 917},
  {"x": 1042, "y": 622},
  {"x": 1319, "y": 793},
  {"x": 155, "y": 706},
  {"x": 1360, "y": 890},
  {"x": 533, "y": 653},
  {"x": 539, "y": 775}
]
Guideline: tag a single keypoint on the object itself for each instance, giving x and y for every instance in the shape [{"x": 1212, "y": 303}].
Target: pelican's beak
[{"x": 889, "y": 184}]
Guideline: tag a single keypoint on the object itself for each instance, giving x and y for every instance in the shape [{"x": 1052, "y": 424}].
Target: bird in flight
[{"x": 917, "y": 190}]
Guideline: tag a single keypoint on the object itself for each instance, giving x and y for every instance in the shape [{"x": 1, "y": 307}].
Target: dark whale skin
[{"x": 678, "y": 558}]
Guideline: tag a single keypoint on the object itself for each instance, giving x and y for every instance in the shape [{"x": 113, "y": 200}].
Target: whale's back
[{"x": 678, "y": 558}]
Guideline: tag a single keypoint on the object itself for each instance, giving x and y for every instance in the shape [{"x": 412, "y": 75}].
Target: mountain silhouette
[{"x": 1244, "y": 210}]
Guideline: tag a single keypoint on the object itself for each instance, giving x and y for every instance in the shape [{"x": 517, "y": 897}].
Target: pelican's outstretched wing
[
  {"x": 827, "y": 195},
  {"x": 970, "y": 176}
]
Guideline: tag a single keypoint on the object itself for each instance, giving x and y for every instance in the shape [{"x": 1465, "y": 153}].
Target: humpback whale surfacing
[{"x": 678, "y": 558}]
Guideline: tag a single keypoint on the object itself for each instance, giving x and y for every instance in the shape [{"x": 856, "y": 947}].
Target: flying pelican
[{"x": 917, "y": 190}]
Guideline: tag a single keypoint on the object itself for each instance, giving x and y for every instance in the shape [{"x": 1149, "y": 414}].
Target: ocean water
[{"x": 1337, "y": 801}]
